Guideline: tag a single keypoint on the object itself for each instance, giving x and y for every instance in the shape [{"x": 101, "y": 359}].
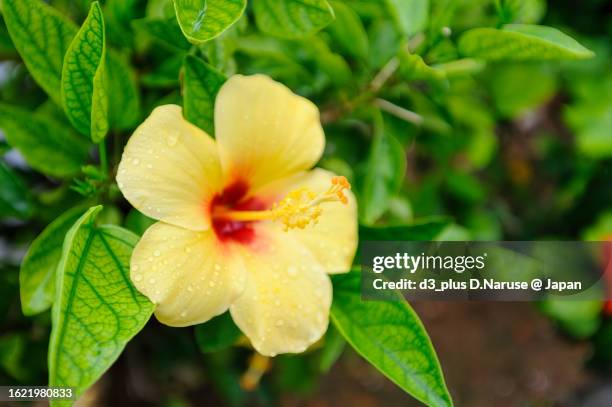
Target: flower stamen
[{"x": 298, "y": 209}]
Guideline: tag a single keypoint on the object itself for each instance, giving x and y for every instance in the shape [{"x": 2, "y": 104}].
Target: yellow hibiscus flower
[{"x": 243, "y": 224}]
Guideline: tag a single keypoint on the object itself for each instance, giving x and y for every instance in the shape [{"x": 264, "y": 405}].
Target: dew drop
[
  {"x": 152, "y": 281},
  {"x": 280, "y": 322},
  {"x": 156, "y": 253},
  {"x": 137, "y": 277},
  {"x": 171, "y": 140},
  {"x": 217, "y": 267},
  {"x": 190, "y": 288},
  {"x": 292, "y": 270},
  {"x": 211, "y": 284},
  {"x": 136, "y": 161}
]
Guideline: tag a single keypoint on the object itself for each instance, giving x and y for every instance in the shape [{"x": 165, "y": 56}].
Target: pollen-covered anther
[
  {"x": 302, "y": 207},
  {"x": 297, "y": 210}
]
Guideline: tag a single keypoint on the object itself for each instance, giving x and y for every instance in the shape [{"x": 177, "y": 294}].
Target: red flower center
[{"x": 234, "y": 197}]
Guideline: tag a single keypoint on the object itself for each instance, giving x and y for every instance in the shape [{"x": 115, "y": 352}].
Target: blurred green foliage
[{"x": 458, "y": 110}]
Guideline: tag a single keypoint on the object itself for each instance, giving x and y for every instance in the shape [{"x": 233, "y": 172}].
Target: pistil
[{"x": 298, "y": 209}]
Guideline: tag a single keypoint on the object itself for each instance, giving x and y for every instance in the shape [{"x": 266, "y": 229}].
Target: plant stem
[{"x": 399, "y": 112}]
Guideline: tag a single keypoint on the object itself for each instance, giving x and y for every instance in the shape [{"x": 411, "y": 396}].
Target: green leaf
[
  {"x": 332, "y": 349},
  {"x": 390, "y": 336},
  {"x": 521, "y": 42},
  {"x": 412, "y": 67},
  {"x": 409, "y": 15},
  {"x": 292, "y": 18},
  {"x": 384, "y": 174},
  {"x": 47, "y": 146},
  {"x": 137, "y": 222},
  {"x": 84, "y": 81},
  {"x": 164, "y": 30},
  {"x": 580, "y": 319},
  {"x": 538, "y": 85},
  {"x": 203, "y": 20},
  {"x": 37, "y": 273},
  {"x": 15, "y": 199},
  {"x": 42, "y": 36},
  {"x": 12, "y": 352},
  {"x": 97, "y": 309},
  {"x": 424, "y": 230},
  {"x": 200, "y": 87},
  {"x": 124, "y": 111},
  {"x": 217, "y": 334},
  {"x": 348, "y": 30}
]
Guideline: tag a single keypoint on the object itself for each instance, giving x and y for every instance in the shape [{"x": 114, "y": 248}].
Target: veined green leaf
[
  {"x": 425, "y": 230},
  {"x": 390, "y": 336},
  {"x": 164, "y": 30},
  {"x": 203, "y": 20},
  {"x": 37, "y": 273},
  {"x": 84, "y": 80},
  {"x": 521, "y": 42},
  {"x": 97, "y": 310},
  {"x": 384, "y": 174},
  {"x": 217, "y": 334},
  {"x": 15, "y": 199},
  {"x": 124, "y": 111},
  {"x": 47, "y": 146},
  {"x": 292, "y": 18},
  {"x": 348, "y": 30},
  {"x": 410, "y": 15},
  {"x": 200, "y": 87},
  {"x": 42, "y": 36}
]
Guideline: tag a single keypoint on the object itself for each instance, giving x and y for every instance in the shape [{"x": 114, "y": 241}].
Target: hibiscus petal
[
  {"x": 285, "y": 305},
  {"x": 264, "y": 131},
  {"x": 333, "y": 239},
  {"x": 170, "y": 170},
  {"x": 188, "y": 274}
]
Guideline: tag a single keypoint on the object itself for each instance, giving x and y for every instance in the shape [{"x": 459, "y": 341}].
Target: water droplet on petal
[
  {"x": 172, "y": 139},
  {"x": 138, "y": 277},
  {"x": 152, "y": 281},
  {"x": 136, "y": 161},
  {"x": 211, "y": 283},
  {"x": 217, "y": 267},
  {"x": 156, "y": 253}
]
